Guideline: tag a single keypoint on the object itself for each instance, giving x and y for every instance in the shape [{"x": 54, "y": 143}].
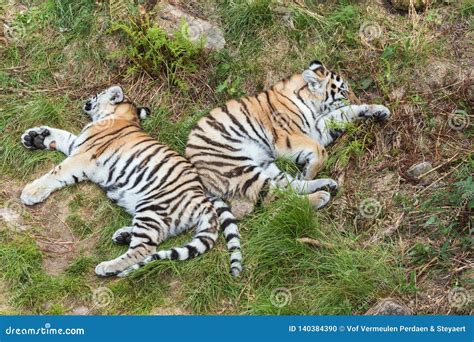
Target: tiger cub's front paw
[
  {"x": 34, "y": 193},
  {"x": 378, "y": 112},
  {"x": 34, "y": 138}
]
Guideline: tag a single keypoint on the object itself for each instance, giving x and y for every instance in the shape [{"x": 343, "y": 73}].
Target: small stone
[
  {"x": 404, "y": 5},
  {"x": 417, "y": 170},
  {"x": 389, "y": 307},
  {"x": 397, "y": 94},
  {"x": 79, "y": 311}
]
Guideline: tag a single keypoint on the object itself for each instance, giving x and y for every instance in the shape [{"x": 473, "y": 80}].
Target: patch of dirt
[{"x": 46, "y": 223}]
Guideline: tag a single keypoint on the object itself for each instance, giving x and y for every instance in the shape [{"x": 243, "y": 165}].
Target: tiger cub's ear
[
  {"x": 115, "y": 94},
  {"x": 143, "y": 112},
  {"x": 314, "y": 75}
]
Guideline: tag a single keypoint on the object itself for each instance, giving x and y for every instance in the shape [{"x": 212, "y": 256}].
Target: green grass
[{"x": 62, "y": 51}]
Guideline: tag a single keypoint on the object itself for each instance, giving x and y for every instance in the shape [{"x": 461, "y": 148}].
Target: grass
[{"x": 297, "y": 260}]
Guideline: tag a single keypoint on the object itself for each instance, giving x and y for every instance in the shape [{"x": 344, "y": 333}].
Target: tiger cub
[
  {"x": 156, "y": 185},
  {"x": 234, "y": 147}
]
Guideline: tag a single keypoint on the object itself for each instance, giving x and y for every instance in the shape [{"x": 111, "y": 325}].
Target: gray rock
[
  {"x": 170, "y": 19},
  {"x": 389, "y": 307},
  {"x": 417, "y": 170},
  {"x": 404, "y": 5},
  {"x": 79, "y": 311}
]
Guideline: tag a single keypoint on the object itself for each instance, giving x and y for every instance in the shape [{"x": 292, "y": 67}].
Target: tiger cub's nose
[{"x": 88, "y": 105}]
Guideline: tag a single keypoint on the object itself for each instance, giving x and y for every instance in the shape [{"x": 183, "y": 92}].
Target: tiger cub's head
[
  {"x": 112, "y": 101},
  {"x": 330, "y": 91}
]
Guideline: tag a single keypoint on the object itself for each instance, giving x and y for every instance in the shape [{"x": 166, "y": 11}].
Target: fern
[{"x": 152, "y": 50}]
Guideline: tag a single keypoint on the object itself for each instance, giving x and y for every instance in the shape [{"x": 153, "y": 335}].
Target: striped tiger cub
[
  {"x": 234, "y": 148},
  {"x": 156, "y": 185}
]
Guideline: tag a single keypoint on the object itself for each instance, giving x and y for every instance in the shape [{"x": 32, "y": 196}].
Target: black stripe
[{"x": 231, "y": 236}]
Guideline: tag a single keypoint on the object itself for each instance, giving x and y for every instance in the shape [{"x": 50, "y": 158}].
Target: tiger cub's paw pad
[
  {"x": 33, "y": 138},
  {"x": 319, "y": 199},
  {"x": 122, "y": 236},
  {"x": 106, "y": 269},
  {"x": 379, "y": 112}
]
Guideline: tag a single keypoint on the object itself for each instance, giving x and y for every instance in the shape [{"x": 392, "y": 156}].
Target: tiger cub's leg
[
  {"x": 47, "y": 138},
  {"x": 283, "y": 180},
  {"x": 71, "y": 170},
  {"x": 271, "y": 178},
  {"x": 145, "y": 236},
  {"x": 305, "y": 151},
  {"x": 327, "y": 125}
]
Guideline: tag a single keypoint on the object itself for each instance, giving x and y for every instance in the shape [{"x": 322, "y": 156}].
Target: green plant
[{"x": 151, "y": 49}]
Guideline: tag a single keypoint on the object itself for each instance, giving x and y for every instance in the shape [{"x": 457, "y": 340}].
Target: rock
[
  {"x": 389, "y": 307},
  {"x": 79, "y": 311},
  {"x": 417, "y": 170},
  {"x": 404, "y": 5},
  {"x": 11, "y": 214},
  {"x": 397, "y": 94},
  {"x": 170, "y": 19},
  {"x": 440, "y": 73}
]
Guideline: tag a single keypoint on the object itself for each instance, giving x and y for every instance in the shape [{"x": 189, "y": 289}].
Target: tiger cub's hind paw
[
  {"x": 106, "y": 269},
  {"x": 319, "y": 199},
  {"x": 35, "y": 192}
]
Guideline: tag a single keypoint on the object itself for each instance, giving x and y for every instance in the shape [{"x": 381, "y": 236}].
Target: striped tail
[
  {"x": 231, "y": 234},
  {"x": 207, "y": 230}
]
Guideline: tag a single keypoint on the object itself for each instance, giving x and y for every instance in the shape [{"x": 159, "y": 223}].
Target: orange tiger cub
[
  {"x": 234, "y": 148},
  {"x": 156, "y": 185}
]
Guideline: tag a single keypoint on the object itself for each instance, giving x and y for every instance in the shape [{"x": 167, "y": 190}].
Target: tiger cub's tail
[
  {"x": 231, "y": 234},
  {"x": 207, "y": 229},
  {"x": 204, "y": 239}
]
